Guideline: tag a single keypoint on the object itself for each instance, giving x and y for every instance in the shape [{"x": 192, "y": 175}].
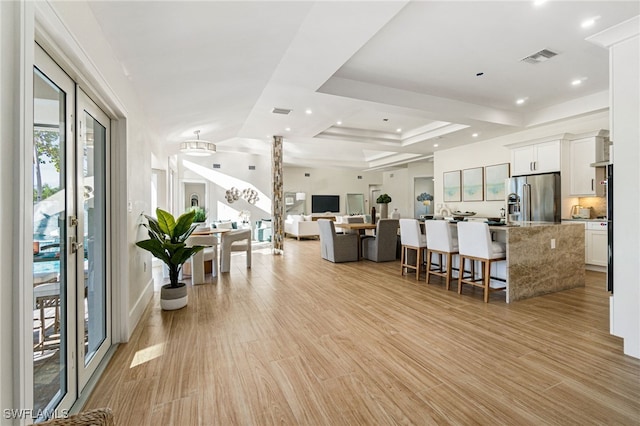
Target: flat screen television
[{"x": 325, "y": 203}]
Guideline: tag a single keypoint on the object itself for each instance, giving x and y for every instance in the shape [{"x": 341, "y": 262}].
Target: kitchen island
[{"x": 542, "y": 257}]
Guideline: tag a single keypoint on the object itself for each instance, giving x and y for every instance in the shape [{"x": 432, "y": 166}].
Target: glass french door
[
  {"x": 71, "y": 298},
  {"x": 93, "y": 295}
]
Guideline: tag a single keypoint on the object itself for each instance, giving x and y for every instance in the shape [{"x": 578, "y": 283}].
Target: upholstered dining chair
[
  {"x": 382, "y": 247},
  {"x": 236, "y": 240},
  {"x": 442, "y": 240},
  {"x": 474, "y": 244},
  {"x": 411, "y": 238},
  {"x": 336, "y": 248},
  {"x": 209, "y": 254},
  {"x": 353, "y": 219}
]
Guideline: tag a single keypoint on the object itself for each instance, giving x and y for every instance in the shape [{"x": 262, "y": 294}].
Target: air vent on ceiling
[
  {"x": 283, "y": 111},
  {"x": 216, "y": 166},
  {"x": 252, "y": 167},
  {"x": 540, "y": 56}
]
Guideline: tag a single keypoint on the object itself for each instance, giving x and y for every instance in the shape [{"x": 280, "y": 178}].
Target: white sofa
[{"x": 301, "y": 226}]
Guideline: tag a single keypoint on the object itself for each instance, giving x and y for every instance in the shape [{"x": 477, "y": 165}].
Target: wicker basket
[{"x": 96, "y": 417}]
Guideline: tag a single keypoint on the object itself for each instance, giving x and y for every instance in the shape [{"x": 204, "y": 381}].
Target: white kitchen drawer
[{"x": 597, "y": 226}]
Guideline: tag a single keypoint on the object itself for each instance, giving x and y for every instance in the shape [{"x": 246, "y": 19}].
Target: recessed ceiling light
[
  {"x": 589, "y": 22},
  {"x": 339, "y": 123},
  {"x": 474, "y": 135},
  {"x": 287, "y": 129},
  {"x": 435, "y": 145},
  {"x": 539, "y": 2},
  {"x": 398, "y": 130},
  {"x": 520, "y": 101},
  {"x": 308, "y": 111},
  {"x": 576, "y": 82}
]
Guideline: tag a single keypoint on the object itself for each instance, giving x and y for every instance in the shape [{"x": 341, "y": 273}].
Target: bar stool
[
  {"x": 474, "y": 241},
  {"x": 412, "y": 239},
  {"x": 441, "y": 241}
]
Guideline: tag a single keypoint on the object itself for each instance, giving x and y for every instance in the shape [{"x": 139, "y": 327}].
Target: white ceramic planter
[{"x": 173, "y": 298}]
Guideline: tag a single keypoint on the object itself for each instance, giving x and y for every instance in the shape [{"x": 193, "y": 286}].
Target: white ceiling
[{"x": 221, "y": 68}]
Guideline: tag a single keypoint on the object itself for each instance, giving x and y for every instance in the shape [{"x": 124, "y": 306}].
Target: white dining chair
[
  {"x": 236, "y": 240},
  {"x": 210, "y": 253}
]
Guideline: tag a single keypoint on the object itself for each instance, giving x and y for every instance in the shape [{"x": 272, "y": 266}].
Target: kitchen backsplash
[{"x": 598, "y": 205}]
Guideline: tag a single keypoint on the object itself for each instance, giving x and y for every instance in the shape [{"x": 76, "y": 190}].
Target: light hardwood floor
[{"x": 299, "y": 340}]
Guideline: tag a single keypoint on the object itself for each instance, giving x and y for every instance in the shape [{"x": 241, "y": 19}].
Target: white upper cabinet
[
  {"x": 586, "y": 179},
  {"x": 536, "y": 158}
]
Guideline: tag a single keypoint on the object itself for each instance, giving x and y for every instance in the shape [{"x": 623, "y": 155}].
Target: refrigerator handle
[{"x": 526, "y": 202}]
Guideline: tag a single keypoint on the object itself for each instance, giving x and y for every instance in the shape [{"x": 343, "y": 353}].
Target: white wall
[
  {"x": 494, "y": 151},
  {"x": 82, "y": 29},
  {"x": 233, "y": 172},
  {"x": 330, "y": 181}
]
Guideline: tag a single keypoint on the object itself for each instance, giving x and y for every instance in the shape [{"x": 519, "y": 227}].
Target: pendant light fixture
[{"x": 197, "y": 147}]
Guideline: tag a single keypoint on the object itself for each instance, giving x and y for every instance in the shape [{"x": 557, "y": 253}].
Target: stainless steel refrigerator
[{"x": 534, "y": 198}]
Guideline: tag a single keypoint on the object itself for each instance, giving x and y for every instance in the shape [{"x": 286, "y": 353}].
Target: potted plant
[
  {"x": 384, "y": 201},
  {"x": 200, "y": 216},
  {"x": 167, "y": 242}
]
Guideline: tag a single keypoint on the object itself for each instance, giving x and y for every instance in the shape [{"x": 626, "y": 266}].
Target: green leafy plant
[
  {"x": 167, "y": 238},
  {"x": 383, "y": 199},
  {"x": 200, "y": 214}
]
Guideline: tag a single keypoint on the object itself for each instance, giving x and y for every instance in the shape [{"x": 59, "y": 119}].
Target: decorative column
[{"x": 277, "y": 201}]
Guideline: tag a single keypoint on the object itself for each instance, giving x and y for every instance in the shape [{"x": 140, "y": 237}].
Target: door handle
[
  {"x": 75, "y": 245},
  {"x": 592, "y": 183}
]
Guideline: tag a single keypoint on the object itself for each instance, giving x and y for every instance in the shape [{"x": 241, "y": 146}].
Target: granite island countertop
[{"x": 542, "y": 257}]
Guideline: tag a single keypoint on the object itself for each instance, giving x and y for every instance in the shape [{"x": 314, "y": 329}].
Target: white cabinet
[
  {"x": 537, "y": 158},
  {"x": 585, "y": 179},
  {"x": 596, "y": 243}
]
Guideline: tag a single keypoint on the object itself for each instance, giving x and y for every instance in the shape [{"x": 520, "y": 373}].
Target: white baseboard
[
  {"x": 595, "y": 268},
  {"x": 138, "y": 308}
]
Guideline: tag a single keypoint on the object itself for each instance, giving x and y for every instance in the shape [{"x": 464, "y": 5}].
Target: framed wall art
[
  {"x": 451, "y": 186},
  {"x": 473, "y": 184},
  {"x": 494, "y": 177}
]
